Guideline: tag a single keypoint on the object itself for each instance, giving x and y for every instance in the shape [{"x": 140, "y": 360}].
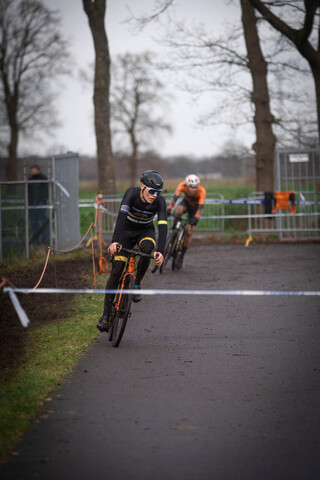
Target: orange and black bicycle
[{"x": 120, "y": 309}]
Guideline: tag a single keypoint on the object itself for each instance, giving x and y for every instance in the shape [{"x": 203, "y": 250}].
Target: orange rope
[
  {"x": 44, "y": 269},
  {"x": 51, "y": 249},
  {"x": 71, "y": 249},
  {"x": 102, "y": 260}
]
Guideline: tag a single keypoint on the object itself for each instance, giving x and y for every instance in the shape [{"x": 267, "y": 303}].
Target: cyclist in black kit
[{"x": 134, "y": 226}]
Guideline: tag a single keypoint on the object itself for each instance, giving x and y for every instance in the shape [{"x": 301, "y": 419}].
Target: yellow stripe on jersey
[{"x": 143, "y": 219}]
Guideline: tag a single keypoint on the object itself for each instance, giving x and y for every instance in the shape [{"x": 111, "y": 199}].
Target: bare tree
[
  {"x": 32, "y": 54},
  {"x": 96, "y": 10},
  {"x": 304, "y": 35},
  {"x": 221, "y": 66},
  {"x": 136, "y": 97},
  {"x": 263, "y": 119}
]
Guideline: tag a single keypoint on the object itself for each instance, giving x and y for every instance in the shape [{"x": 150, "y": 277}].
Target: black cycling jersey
[{"x": 134, "y": 214}]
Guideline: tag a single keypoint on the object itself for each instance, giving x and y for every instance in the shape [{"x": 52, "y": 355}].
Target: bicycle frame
[
  {"x": 181, "y": 227},
  {"x": 173, "y": 244}
]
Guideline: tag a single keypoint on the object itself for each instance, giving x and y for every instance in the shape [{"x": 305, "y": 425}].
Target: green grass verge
[{"x": 51, "y": 353}]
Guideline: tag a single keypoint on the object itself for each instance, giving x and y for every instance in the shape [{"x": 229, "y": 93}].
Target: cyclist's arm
[
  {"x": 176, "y": 195},
  {"x": 173, "y": 202},
  {"x": 122, "y": 215},
  {"x": 202, "y": 198},
  {"x": 199, "y": 211},
  {"x": 162, "y": 224}
]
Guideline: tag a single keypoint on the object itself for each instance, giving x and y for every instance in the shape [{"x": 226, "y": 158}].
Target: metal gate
[
  {"x": 299, "y": 171},
  {"x": 67, "y": 222},
  {"x": 61, "y": 208}
]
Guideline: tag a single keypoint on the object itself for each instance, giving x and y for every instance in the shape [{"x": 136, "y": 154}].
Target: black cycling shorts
[
  {"x": 191, "y": 210},
  {"x": 130, "y": 238}
]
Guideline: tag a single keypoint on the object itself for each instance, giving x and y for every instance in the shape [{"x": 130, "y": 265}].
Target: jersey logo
[{"x": 124, "y": 208}]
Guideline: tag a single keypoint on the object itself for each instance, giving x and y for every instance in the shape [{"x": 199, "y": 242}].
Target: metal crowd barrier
[
  {"x": 304, "y": 224},
  {"x": 301, "y": 225},
  {"x": 212, "y": 218}
]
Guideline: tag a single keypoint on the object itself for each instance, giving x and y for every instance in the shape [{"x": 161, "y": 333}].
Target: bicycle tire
[
  {"x": 111, "y": 319},
  {"x": 170, "y": 246},
  {"x": 178, "y": 252},
  {"x": 121, "y": 316}
]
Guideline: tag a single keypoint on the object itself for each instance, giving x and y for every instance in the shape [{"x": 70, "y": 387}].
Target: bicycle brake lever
[{"x": 155, "y": 268}]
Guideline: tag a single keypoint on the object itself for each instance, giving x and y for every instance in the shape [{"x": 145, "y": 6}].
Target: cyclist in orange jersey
[{"x": 193, "y": 203}]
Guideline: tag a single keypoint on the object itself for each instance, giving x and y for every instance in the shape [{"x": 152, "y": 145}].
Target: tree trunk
[
  {"x": 95, "y": 11},
  {"x": 12, "y": 162},
  {"x": 315, "y": 68},
  {"x": 133, "y": 160},
  {"x": 299, "y": 37},
  {"x": 263, "y": 119}
]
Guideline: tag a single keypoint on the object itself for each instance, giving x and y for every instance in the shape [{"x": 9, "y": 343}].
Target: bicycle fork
[{"x": 129, "y": 272}]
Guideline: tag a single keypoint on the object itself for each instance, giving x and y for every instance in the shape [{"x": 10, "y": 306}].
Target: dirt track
[{"x": 224, "y": 388}]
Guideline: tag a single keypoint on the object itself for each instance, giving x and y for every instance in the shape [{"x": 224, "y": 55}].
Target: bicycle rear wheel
[
  {"x": 121, "y": 316},
  {"x": 170, "y": 246}
]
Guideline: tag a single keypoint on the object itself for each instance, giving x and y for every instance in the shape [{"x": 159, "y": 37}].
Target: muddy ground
[{"x": 41, "y": 309}]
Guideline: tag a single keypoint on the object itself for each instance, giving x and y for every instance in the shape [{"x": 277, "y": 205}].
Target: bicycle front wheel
[
  {"x": 122, "y": 313},
  {"x": 170, "y": 246},
  {"x": 177, "y": 254}
]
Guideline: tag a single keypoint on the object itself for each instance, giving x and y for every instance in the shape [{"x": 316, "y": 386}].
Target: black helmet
[{"x": 152, "y": 179}]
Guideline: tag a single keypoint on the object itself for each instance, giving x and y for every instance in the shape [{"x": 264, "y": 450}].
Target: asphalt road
[{"x": 205, "y": 388}]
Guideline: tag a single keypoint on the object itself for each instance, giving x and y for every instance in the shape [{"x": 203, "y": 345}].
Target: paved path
[{"x": 201, "y": 388}]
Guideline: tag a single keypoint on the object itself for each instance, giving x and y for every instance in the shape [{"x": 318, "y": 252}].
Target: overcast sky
[{"x": 74, "y": 103}]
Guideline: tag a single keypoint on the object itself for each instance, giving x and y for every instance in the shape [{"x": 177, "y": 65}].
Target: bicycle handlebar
[
  {"x": 183, "y": 219},
  {"x": 141, "y": 254}
]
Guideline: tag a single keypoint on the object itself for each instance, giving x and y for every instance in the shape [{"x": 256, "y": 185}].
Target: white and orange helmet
[{"x": 192, "y": 181}]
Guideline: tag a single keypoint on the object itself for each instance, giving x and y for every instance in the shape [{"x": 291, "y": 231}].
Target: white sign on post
[{"x": 298, "y": 157}]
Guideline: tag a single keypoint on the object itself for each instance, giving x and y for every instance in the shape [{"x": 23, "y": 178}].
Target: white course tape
[
  {"x": 20, "y": 312},
  {"x": 25, "y": 320},
  {"x": 166, "y": 292}
]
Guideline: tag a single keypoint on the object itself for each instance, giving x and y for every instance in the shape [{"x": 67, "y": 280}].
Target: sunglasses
[{"x": 153, "y": 191}]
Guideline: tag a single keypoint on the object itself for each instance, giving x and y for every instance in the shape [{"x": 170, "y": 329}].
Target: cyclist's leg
[
  {"x": 118, "y": 264},
  {"x": 189, "y": 231},
  {"x": 146, "y": 243},
  {"x": 180, "y": 210}
]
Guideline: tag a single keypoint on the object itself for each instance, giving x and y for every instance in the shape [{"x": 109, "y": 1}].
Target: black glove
[
  {"x": 169, "y": 211},
  {"x": 194, "y": 221}
]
